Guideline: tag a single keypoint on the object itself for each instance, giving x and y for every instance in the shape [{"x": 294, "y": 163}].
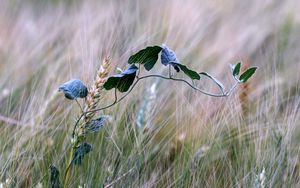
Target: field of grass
[{"x": 163, "y": 134}]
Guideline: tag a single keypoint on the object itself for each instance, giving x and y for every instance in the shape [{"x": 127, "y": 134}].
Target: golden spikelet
[{"x": 94, "y": 94}]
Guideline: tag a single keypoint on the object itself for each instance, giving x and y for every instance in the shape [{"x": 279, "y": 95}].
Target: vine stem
[
  {"x": 223, "y": 94},
  {"x": 220, "y": 86},
  {"x": 232, "y": 88}
]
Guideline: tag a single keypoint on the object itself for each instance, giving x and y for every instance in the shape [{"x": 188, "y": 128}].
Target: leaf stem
[
  {"x": 170, "y": 72},
  {"x": 232, "y": 88},
  {"x": 217, "y": 82},
  {"x": 79, "y": 105}
]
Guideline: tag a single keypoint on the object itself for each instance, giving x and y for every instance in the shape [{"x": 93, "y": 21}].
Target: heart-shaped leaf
[
  {"x": 168, "y": 57},
  {"x": 147, "y": 57},
  {"x": 80, "y": 152},
  {"x": 74, "y": 89},
  {"x": 189, "y": 72},
  {"x": 122, "y": 81},
  {"x": 54, "y": 177},
  {"x": 247, "y": 74},
  {"x": 96, "y": 124}
]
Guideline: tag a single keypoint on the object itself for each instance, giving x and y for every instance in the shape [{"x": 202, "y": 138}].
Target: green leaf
[
  {"x": 247, "y": 74},
  {"x": 54, "y": 177},
  {"x": 236, "y": 69},
  {"x": 189, "y": 72},
  {"x": 80, "y": 152},
  {"x": 147, "y": 57},
  {"x": 122, "y": 81}
]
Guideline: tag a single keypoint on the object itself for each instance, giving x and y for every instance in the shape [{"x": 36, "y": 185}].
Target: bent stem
[{"x": 223, "y": 94}]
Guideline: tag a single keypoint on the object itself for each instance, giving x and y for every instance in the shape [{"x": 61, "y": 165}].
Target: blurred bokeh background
[{"x": 192, "y": 140}]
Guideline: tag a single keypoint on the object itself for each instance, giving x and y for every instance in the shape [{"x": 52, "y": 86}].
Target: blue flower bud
[
  {"x": 74, "y": 89},
  {"x": 168, "y": 57},
  {"x": 96, "y": 124}
]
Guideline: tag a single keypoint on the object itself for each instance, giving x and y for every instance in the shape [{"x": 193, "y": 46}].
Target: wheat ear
[{"x": 94, "y": 94}]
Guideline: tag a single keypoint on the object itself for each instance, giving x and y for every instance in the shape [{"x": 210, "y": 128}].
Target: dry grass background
[{"x": 192, "y": 140}]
